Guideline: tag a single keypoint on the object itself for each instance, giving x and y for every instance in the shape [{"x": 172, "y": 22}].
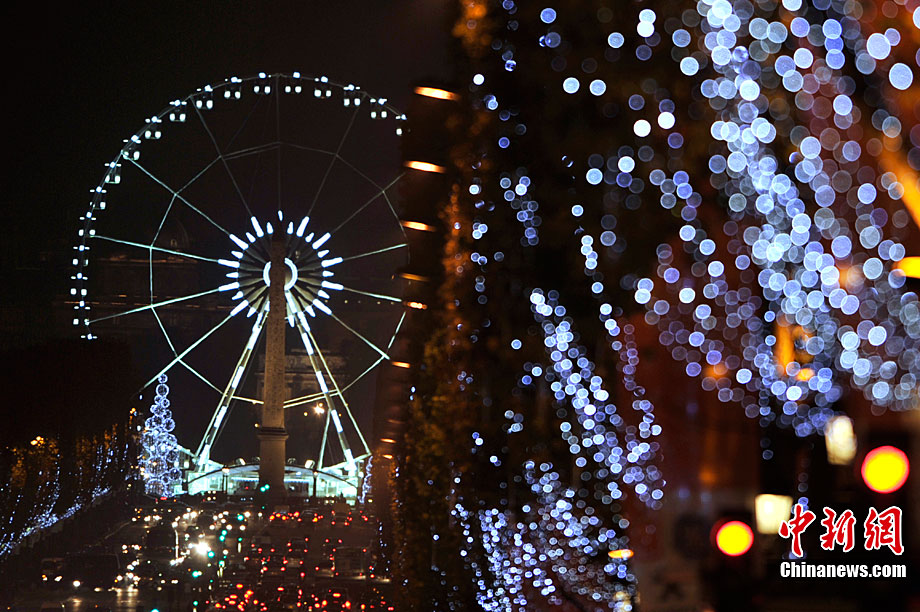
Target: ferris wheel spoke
[
  {"x": 358, "y": 171},
  {"x": 322, "y": 446},
  {"x": 332, "y": 161},
  {"x": 361, "y": 336},
  {"x": 377, "y": 252},
  {"x": 156, "y": 236},
  {"x": 301, "y": 147},
  {"x": 199, "y": 174},
  {"x": 172, "y": 348},
  {"x": 393, "y": 210},
  {"x": 176, "y": 194},
  {"x": 203, "y": 454},
  {"x": 239, "y": 130},
  {"x": 304, "y": 399},
  {"x": 169, "y": 341},
  {"x": 193, "y": 346},
  {"x": 396, "y": 331},
  {"x": 224, "y": 161},
  {"x": 262, "y": 148},
  {"x": 150, "y": 247},
  {"x": 199, "y": 375},
  {"x": 363, "y": 374},
  {"x": 156, "y": 305},
  {"x": 368, "y": 203},
  {"x": 380, "y": 296}
]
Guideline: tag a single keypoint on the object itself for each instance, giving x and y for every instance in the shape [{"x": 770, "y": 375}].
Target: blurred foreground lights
[
  {"x": 623, "y": 553},
  {"x": 909, "y": 266},
  {"x": 885, "y": 469},
  {"x": 425, "y": 167},
  {"x": 416, "y": 225},
  {"x": 840, "y": 440},
  {"x": 642, "y": 128},
  {"x": 414, "y": 277},
  {"x": 439, "y": 94},
  {"x": 734, "y": 538},
  {"x": 770, "y": 512},
  {"x": 202, "y": 548}
]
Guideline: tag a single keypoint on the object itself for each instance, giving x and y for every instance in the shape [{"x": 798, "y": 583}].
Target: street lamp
[{"x": 318, "y": 409}]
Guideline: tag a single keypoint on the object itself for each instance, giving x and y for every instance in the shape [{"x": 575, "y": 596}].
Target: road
[{"x": 228, "y": 555}]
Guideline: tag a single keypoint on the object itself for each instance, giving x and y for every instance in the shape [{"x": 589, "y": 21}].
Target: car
[
  {"x": 51, "y": 569},
  {"x": 299, "y": 545},
  {"x": 91, "y": 570},
  {"x": 335, "y": 600},
  {"x": 324, "y": 567}
]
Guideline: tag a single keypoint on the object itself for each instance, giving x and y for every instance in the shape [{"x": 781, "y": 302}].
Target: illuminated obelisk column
[{"x": 272, "y": 433}]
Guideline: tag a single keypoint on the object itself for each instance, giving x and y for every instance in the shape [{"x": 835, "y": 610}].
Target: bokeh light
[
  {"x": 885, "y": 469},
  {"x": 734, "y": 538}
]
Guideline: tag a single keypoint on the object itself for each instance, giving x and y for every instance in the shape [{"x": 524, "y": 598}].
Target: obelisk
[{"x": 272, "y": 433}]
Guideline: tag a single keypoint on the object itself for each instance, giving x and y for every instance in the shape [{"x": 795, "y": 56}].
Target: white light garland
[{"x": 160, "y": 459}]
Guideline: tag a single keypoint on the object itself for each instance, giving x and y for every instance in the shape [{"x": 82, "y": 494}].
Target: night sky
[{"x": 82, "y": 77}]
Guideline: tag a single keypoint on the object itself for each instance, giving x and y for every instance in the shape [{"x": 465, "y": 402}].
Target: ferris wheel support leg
[
  {"x": 338, "y": 391},
  {"x": 322, "y": 446},
  {"x": 318, "y": 369},
  {"x": 203, "y": 454}
]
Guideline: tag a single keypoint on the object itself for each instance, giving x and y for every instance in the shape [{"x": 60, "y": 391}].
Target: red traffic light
[
  {"x": 734, "y": 538},
  {"x": 885, "y": 469}
]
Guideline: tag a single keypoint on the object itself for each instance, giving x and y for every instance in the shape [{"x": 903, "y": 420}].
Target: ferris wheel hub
[
  {"x": 308, "y": 274},
  {"x": 290, "y": 274}
]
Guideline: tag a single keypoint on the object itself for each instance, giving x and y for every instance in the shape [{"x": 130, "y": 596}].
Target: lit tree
[
  {"x": 734, "y": 173},
  {"x": 160, "y": 448}
]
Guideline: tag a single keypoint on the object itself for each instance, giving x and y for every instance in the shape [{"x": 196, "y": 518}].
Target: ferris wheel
[{"x": 176, "y": 244}]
